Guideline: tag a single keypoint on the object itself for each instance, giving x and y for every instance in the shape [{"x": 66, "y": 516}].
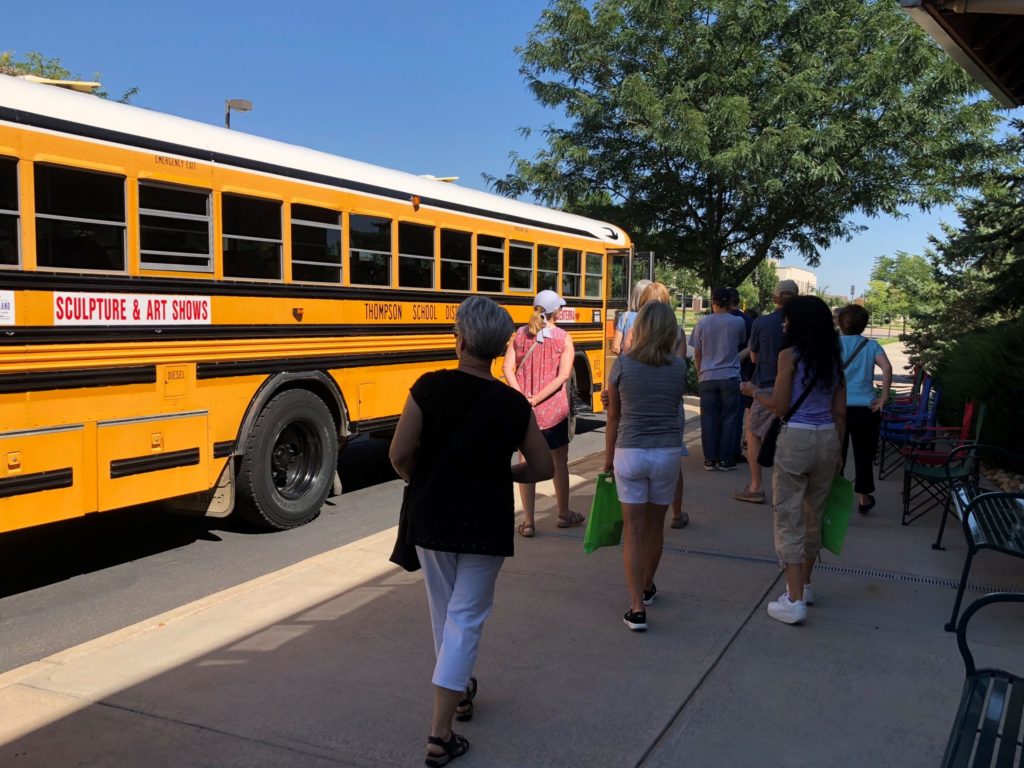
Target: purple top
[{"x": 816, "y": 408}]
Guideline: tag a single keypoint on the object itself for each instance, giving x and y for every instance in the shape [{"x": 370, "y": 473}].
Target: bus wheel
[{"x": 289, "y": 462}]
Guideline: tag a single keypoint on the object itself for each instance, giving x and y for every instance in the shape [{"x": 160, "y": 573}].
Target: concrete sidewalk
[{"x": 328, "y": 662}]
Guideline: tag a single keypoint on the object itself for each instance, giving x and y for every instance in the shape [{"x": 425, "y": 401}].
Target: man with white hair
[{"x": 764, "y": 346}]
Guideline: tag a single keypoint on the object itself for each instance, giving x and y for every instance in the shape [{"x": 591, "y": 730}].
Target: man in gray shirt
[
  {"x": 765, "y": 343},
  {"x": 716, "y": 342}
]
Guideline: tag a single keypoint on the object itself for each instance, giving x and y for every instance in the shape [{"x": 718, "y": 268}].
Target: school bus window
[
  {"x": 592, "y": 284},
  {"x": 456, "y": 260},
  {"x": 369, "y": 250},
  {"x": 571, "y": 272},
  {"x": 490, "y": 263},
  {"x": 252, "y": 237},
  {"x": 617, "y": 278},
  {"x": 520, "y": 266},
  {"x": 79, "y": 219},
  {"x": 174, "y": 228},
  {"x": 8, "y": 212},
  {"x": 415, "y": 256},
  {"x": 547, "y": 267},
  {"x": 316, "y": 244}
]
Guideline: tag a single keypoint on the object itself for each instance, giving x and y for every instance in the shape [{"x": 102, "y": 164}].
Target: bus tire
[{"x": 289, "y": 461}]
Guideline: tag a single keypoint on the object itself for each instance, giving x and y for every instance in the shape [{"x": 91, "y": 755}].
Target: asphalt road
[{"x": 64, "y": 584}]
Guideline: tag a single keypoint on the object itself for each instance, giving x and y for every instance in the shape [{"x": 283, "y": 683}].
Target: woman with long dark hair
[{"x": 810, "y": 396}]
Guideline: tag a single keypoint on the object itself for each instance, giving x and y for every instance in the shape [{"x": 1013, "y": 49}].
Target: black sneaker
[
  {"x": 636, "y": 620},
  {"x": 726, "y": 466},
  {"x": 710, "y": 466},
  {"x": 649, "y": 594}
]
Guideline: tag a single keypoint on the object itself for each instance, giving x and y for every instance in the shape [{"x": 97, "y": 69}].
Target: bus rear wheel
[{"x": 289, "y": 462}]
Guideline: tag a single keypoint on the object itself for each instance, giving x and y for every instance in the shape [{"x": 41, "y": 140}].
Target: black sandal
[
  {"x": 464, "y": 712},
  {"x": 454, "y": 747}
]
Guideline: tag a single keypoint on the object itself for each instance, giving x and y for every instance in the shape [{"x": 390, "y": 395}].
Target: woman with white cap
[{"x": 538, "y": 363}]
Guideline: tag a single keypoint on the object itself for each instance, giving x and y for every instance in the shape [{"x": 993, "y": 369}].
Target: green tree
[
  {"x": 764, "y": 279},
  {"x": 978, "y": 268},
  {"x": 35, "y": 63},
  {"x": 725, "y": 132},
  {"x": 880, "y": 302},
  {"x": 911, "y": 287},
  {"x": 988, "y": 247},
  {"x": 678, "y": 279}
]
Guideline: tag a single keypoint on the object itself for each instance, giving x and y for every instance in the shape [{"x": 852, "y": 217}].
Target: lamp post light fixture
[{"x": 239, "y": 105}]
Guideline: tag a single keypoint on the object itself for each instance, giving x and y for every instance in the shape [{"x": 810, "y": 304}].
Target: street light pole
[{"x": 239, "y": 105}]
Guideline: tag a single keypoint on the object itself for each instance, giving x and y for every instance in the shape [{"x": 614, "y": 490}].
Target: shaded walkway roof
[{"x": 985, "y": 36}]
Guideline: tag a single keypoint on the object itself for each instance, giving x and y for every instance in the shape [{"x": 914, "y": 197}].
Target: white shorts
[{"x": 646, "y": 475}]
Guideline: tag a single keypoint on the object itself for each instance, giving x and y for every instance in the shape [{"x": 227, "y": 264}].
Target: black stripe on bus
[
  {"x": 140, "y": 465},
  {"x": 59, "y": 281},
  {"x": 279, "y": 365},
  {"x": 41, "y": 334},
  {"x": 76, "y": 379},
  {"x": 50, "y": 480},
  {"x": 223, "y": 449},
  {"x": 584, "y": 346},
  {"x": 375, "y": 425},
  {"x": 157, "y": 145}
]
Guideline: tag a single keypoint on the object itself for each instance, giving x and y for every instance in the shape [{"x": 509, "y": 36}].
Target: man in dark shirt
[
  {"x": 746, "y": 371},
  {"x": 764, "y": 346}
]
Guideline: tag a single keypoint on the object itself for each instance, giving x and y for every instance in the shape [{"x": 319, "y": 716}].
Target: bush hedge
[{"x": 986, "y": 366}]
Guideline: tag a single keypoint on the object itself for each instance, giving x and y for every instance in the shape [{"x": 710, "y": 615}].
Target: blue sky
[{"x": 424, "y": 87}]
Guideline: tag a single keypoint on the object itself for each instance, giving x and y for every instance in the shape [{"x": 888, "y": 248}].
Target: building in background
[{"x": 805, "y": 279}]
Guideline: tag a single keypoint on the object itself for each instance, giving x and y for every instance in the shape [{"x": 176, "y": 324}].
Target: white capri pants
[{"x": 460, "y": 593}]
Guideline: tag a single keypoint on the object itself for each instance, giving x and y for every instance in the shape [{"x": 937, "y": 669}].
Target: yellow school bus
[{"x": 196, "y": 316}]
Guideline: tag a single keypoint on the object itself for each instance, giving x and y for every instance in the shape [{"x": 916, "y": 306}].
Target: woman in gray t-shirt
[{"x": 642, "y": 446}]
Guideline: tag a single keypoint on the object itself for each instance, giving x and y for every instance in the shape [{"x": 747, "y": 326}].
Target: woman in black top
[{"x": 453, "y": 445}]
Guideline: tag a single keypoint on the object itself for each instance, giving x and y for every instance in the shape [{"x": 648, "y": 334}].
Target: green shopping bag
[
  {"x": 837, "y": 515},
  {"x": 604, "y": 527}
]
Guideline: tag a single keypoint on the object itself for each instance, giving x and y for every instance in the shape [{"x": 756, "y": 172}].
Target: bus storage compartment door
[
  {"x": 41, "y": 476},
  {"x": 151, "y": 457}
]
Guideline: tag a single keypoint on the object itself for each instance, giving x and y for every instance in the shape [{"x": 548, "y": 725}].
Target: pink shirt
[{"x": 539, "y": 370}]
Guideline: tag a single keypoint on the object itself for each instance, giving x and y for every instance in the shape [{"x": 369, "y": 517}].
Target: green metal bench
[
  {"x": 990, "y": 519},
  {"x": 987, "y": 729}
]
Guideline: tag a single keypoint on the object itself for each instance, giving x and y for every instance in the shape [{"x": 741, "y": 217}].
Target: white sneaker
[
  {"x": 808, "y": 594},
  {"x": 787, "y": 611}
]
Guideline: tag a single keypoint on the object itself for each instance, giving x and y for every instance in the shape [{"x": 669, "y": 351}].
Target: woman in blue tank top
[
  {"x": 807, "y": 455},
  {"x": 863, "y": 404}
]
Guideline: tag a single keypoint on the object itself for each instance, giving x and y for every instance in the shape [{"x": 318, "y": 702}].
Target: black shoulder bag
[{"x": 766, "y": 456}]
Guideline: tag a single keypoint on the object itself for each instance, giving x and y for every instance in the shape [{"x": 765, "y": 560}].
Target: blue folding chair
[{"x": 900, "y": 430}]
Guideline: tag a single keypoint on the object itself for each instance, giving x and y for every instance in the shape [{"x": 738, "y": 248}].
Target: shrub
[{"x": 986, "y": 366}]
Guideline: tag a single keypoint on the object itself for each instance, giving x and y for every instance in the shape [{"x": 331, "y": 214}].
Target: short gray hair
[
  {"x": 638, "y": 290},
  {"x": 485, "y": 326}
]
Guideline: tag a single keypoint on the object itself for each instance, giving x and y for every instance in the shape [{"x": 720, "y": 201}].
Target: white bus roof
[{"x": 44, "y": 107}]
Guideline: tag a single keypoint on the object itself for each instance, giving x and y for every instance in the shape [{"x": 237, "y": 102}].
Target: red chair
[{"x": 925, "y": 481}]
